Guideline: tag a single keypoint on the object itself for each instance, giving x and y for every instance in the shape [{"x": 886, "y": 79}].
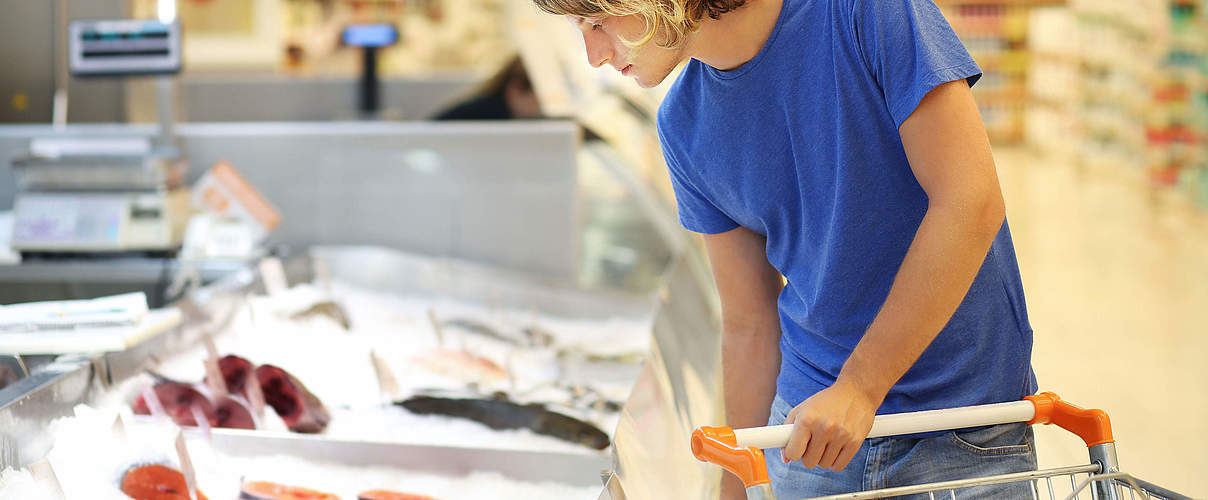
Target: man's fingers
[
  {"x": 814, "y": 450},
  {"x": 849, "y": 451},
  {"x": 833, "y": 449},
  {"x": 798, "y": 439}
]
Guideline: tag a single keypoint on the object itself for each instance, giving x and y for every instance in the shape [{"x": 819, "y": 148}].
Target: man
[{"x": 837, "y": 143}]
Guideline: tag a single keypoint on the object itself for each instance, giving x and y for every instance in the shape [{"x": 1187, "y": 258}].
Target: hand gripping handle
[{"x": 739, "y": 451}]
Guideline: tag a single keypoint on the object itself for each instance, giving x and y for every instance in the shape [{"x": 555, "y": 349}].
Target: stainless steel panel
[
  {"x": 688, "y": 336},
  {"x": 579, "y": 469},
  {"x": 498, "y": 193},
  {"x": 653, "y": 457},
  {"x": 28, "y": 406},
  {"x": 27, "y": 51},
  {"x": 679, "y": 390},
  {"x": 111, "y": 270},
  {"x": 267, "y": 98},
  {"x": 470, "y": 191}
]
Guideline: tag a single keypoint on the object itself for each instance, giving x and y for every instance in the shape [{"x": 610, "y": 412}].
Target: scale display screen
[
  {"x": 370, "y": 35},
  {"x": 66, "y": 220},
  {"x": 124, "y": 47}
]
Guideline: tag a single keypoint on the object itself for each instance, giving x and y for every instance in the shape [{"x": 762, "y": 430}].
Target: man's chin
[{"x": 646, "y": 84}]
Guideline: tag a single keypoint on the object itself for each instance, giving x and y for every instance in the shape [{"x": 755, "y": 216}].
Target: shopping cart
[{"x": 739, "y": 451}]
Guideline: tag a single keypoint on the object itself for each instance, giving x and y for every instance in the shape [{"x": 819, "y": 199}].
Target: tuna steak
[
  {"x": 178, "y": 399},
  {"x": 301, "y": 410},
  {"x": 235, "y": 371},
  {"x": 232, "y": 413}
]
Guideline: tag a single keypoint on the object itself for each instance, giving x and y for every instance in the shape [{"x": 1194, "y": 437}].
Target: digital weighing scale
[{"x": 106, "y": 194}]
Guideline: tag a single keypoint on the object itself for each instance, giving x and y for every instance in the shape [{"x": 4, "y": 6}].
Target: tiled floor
[{"x": 1116, "y": 278}]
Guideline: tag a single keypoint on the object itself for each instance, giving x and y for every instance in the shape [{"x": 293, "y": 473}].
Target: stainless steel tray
[{"x": 576, "y": 469}]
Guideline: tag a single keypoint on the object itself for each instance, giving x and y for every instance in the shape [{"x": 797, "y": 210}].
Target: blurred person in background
[
  {"x": 837, "y": 143},
  {"x": 506, "y": 95}
]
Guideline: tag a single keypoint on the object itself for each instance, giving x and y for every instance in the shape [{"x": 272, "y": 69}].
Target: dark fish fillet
[
  {"x": 235, "y": 371},
  {"x": 224, "y": 411},
  {"x": 232, "y": 413},
  {"x": 480, "y": 328},
  {"x": 502, "y": 415},
  {"x": 177, "y": 398},
  {"x": 301, "y": 410}
]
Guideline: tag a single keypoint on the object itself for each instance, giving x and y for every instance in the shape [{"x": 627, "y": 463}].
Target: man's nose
[{"x": 599, "y": 51}]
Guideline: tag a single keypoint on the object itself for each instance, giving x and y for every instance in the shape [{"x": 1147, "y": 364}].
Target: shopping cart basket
[{"x": 740, "y": 452}]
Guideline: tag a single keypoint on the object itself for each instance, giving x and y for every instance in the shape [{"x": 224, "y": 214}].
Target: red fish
[
  {"x": 156, "y": 482},
  {"x": 232, "y": 413},
  {"x": 301, "y": 410},
  {"x": 178, "y": 400},
  {"x": 264, "y": 490},
  {"x": 235, "y": 371}
]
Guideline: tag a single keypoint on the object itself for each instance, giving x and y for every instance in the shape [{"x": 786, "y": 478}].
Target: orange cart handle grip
[
  {"x": 1093, "y": 426},
  {"x": 717, "y": 445}
]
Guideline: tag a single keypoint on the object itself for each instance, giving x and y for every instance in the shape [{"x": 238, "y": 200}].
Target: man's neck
[{"x": 736, "y": 37}]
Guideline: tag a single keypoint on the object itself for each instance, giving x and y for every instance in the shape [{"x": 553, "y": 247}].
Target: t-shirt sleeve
[
  {"x": 910, "y": 49},
  {"x": 696, "y": 212}
]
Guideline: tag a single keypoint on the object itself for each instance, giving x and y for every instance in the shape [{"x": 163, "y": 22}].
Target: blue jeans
[{"x": 895, "y": 461}]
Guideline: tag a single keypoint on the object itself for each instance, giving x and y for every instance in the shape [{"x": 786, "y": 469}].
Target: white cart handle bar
[{"x": 740, "y": 450}]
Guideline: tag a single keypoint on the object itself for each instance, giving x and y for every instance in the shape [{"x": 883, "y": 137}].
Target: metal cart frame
[{"x": 740, "y": 451}]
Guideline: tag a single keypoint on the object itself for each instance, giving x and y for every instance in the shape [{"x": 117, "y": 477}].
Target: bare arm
[
  {"x": 949, "y": 154},
  {"x": 748, "y": 286}
]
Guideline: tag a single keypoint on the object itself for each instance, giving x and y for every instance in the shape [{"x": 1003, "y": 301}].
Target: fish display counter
[
  {"x": 146, "y": 458},
  {"x": 368, "y": 373}
]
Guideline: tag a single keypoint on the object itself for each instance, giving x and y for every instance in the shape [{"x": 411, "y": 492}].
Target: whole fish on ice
[{"x": 501, "y": 414}]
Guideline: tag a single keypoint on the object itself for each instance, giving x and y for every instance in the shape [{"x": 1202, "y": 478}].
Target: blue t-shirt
[{"x": 801, "y": 145}]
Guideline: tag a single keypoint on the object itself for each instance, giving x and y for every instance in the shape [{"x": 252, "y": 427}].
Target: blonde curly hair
[{"x": 675, "y": 18}]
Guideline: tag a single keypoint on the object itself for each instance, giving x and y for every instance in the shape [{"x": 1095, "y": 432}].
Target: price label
[
  {"x": 186, "y": 465},
  {"x": 214, "y": 379},
  {"x": 272, "y": 272},
  {"x": 255, "y": 396}
]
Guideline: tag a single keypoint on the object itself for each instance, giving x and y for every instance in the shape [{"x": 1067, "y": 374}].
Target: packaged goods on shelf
[{"x": 995, "y": 34}]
